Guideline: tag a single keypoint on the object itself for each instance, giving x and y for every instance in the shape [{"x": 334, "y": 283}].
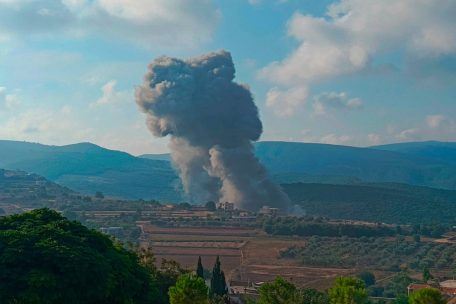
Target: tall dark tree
[
  {"x": 200, "y": 269},
  {"x": 218, "y": 283}
]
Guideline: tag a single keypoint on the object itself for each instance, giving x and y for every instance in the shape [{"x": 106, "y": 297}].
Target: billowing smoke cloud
[{"x": 212, "y": 122}]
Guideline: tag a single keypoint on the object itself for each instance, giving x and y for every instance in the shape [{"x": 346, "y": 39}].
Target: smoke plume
[{"x": 212, "y": 122}]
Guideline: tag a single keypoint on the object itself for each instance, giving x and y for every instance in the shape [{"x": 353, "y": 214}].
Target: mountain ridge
[{"x": 87, "y": 168}]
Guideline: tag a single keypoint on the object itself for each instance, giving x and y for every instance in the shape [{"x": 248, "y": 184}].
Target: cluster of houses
[{"x": 170, "y": 212}]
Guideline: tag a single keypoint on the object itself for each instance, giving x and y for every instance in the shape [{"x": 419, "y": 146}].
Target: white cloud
[
  {"x": 12, "y": 101},
  {"x": 147, "y": 23},
  {"x": 374, "y": 139},
  {"x": 334, "y": 100},
  {"x": 356, "y": 31},
  {"x": 111, "y": 96},
  {"x": 408, "y": 134},
  {"x": 435, "y": 121},
  {"x": 331, "y": 138},
  {"x": 284, "y": 102},
  {"x": 9, "y": 101},
  {"x": 335, "y": 139},
  {"x": 37, "y": 125}
]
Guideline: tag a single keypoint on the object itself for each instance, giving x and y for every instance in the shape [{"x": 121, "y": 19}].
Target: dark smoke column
[{"x": 212, "y": 122}]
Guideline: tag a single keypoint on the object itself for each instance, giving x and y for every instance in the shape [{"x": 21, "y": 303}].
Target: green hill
[
  {"x": 430, "y": 164},
  {"x": 88, "y": 168},
  {"x": 442, "y": 151},
  {"x": 376, "y": 202},
  {"x": 301, "y": 160}
]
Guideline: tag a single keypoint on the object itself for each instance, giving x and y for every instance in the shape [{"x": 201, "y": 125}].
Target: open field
[{"x": 246, "y": 254}]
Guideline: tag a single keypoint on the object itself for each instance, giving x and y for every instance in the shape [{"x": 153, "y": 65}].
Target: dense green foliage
[
  {"x": 397, "y": 286},
  {"x": 386, "y": 203},
  {"x": 348, "y": 291},
  {"x": 374, "y": 253},
  {"x": 313, "y": 296},
  {"x": 306, "y": 226},
  {"x": 165, "y": 277},
  {"x": 367, "y": 277},
  {"x": 218, "y": 283},
  {"x": 281, "y": 291},
  {"x": 427, "y": 296},
  {"x": 45, "y": 258},
  {"x": 189, "y": 289}
]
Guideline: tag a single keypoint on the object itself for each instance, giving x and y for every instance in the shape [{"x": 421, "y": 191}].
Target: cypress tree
[
  {"x": 218, "y": 283},
  {"x": 200, "y": 269},
  {"x": 223, "y": 287}
]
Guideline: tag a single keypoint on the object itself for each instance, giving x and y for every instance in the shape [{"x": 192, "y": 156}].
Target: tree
[
  {"x": 427, "y": 274},
  {"x": 45, "y": 258},
  {"x": 184, "y": 206},
  {"x": 427, "y": 296},
  {"x": 99, "y": 195},
  {"x": 313, "y": 296},
  {"x": 348, "y": 290},
  {"x": 200, "y": 269},
  {"x": 279, "y": 291},
  {"x": 211, "y": 206},
  {"x": 398, "y": 284},
  {"x": 218, "y": 283},
  {"x": 367, "y": 277},
  {"x": 402, "y": 299},
  {"x": 220, "y": 300},
  {"x": 167, "y": 276},
  {"x": 189, "y": 289}
]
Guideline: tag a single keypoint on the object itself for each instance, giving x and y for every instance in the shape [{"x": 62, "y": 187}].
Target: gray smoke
[{"x": 212, "y": 122}]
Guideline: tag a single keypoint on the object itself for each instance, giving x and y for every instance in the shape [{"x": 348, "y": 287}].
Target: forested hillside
[
  {"x": 88, "y": 168},
  {"x": 376, "y": 202}
]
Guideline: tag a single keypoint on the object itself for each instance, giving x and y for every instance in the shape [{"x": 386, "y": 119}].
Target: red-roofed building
[
  {"x": 415, "y": 286},
  {"x": 448, "y": 288}
]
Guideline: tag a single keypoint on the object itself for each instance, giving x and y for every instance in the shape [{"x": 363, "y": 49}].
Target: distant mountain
[
  {"x": 304, "y": 160},
  {"x": 420, "y": 163},
  {"x": 442, "y": 151},
  {"x": 87, "y": 168},
  {"x": 376, "y": 202},
  {"x": 163, "y": 156}
]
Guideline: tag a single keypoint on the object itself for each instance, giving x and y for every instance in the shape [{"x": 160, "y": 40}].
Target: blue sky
[{"x": 351, "y": 72}]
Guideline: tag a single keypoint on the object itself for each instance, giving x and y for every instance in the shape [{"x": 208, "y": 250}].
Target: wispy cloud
[
  {"x": 112, "y": 96},
  {"x": 284, "y": 102},
  {"x": 335, "y": 101},
  {"x": 9, "y": 101},
  {"x": 146, "y": 23}
]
